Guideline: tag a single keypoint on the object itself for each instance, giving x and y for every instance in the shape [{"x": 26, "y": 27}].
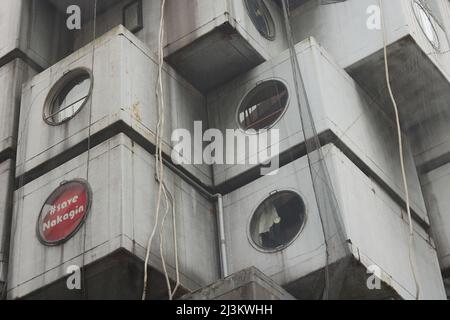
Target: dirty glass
[
  {"x": 70, "y": 99},
  {"x": 261, "y": 17},
  {"x": 277, "y": 220},
  {"x": 263, "y": 105}
]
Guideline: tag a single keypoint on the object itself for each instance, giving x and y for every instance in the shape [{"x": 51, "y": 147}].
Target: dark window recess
[
  {"x": 263, "y": 106},
  {"x": 278, "y": 220},
  {"x": 261, "y": 18},
  {"x": 133, "y": 16}
]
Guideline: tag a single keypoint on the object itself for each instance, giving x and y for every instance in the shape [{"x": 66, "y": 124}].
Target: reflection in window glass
[
  {"x": 263, "y": 106},
  {"x": 261, "y": 18},
  {"x": 70, "y": 99},
  {"x": 278, "y": 220},
  {"x": 426, "y": 22}
]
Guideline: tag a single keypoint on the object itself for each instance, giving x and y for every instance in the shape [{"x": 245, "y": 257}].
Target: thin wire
[
  {"x": 401, "y": 152},
  {"x": 94, "y": 35},
  {"x": 294, "y": 70},
  {"x": 330, "y": 215}
]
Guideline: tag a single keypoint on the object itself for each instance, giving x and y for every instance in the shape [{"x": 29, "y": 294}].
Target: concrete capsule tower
[{"x": 81, "y": 186}]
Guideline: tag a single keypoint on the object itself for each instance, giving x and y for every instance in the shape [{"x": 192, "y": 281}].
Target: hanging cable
[
  {"x": 401, "y": 152},
  {"x": 336, "y": 247},
  {"x": 161, "y": 246},
  {"x": 159, "y": 133},
  {"x": 94, "y": 36},
  {"x": 171, "y": 293}
]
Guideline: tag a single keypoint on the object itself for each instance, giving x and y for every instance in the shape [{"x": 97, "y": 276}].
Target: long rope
[{"x": 401, "y": 152}]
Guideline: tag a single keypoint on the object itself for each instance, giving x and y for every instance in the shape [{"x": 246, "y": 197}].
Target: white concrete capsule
[
  {"x": 418, "y": 49},
  {"x": 119, "y": 93},
  {"x": 342, "y": 113},
  {"x": 375, "y": 226},
  {"x": 121, "y": 218},
  {"x": 211, "y": 42}
]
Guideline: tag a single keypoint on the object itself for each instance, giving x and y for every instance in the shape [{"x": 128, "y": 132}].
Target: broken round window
[
  {"x": 278, "y": 220},
  {"x": 427, "y": 23},
  {"x": 261, "y": 18},
  {"x": 263, "y": 106},
  {"x": 68, "y": 96}
]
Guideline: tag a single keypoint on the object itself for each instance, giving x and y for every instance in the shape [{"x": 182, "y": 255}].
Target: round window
[
  {"x": 263, "y": 106},
  {"x": 261, "y": 18},
  {"x": 68, "y": 96},
  {"x": 278, "y": 220},
  {"x": 427, "y": 23}
]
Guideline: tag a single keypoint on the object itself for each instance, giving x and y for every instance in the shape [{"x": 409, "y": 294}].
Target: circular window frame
[
  {"x": 241, "y": 101},
  {"x": 268, "y": 16},
  {"x": 56, "y": 90},
  {"x": 89, "y": 192},
  {"x": 437, "y": 45},
  {"x": 294, "y": 239}
]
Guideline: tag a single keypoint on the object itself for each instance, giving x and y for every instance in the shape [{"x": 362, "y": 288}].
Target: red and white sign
[{"x": 64, "y": 212}]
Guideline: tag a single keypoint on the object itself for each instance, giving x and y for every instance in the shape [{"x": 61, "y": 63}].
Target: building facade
[{"x": 189, "y": 149}]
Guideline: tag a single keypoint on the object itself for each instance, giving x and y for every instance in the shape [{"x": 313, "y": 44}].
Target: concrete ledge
[{"x": 248, "y": 284}]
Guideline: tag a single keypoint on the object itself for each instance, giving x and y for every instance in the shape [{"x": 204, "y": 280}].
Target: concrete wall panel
[
  {"x": 375, "y": 225},
  {"x": 337, "y": 103},
  {"x": 35, "y": 28},
  {"x": 6, "y": 186},
  {"x": 346, "y": 31},
  {"x": 125, "y": 82},
  {"x": 122, "y": 217},
  {"x": 436, "y": 185}
]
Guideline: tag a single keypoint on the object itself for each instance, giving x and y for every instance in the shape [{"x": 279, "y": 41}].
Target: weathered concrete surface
[
  {"x": 118, "y": 276},
  {"x": 122, "y": 178},
  {"x": 110, "y": 15},
  {"x": 435, "y": 187},
  {"x": 376, "y": 227},
  {"x": 415, "y": 64},
  {"x": 248, "y": 284},
  {"x": 6, "y": 190},
  {"x": 125, "y": 80},
  {"x": 211, "y": 42},
  {"x": 430, "y": 141},
  {"x": 12, "y": 75},
  {"x": 33, "y": 30},
  {"x": 338, "y": 105}
]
